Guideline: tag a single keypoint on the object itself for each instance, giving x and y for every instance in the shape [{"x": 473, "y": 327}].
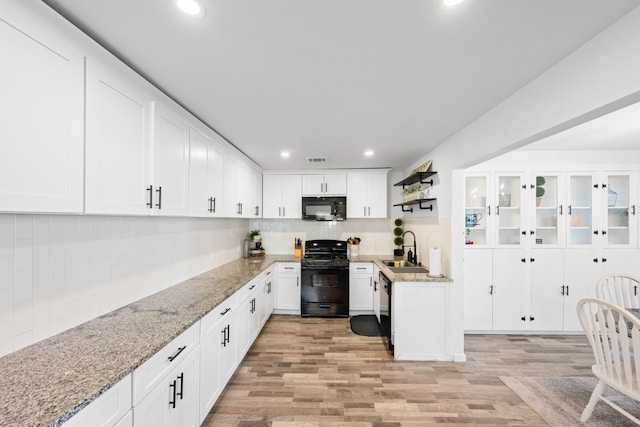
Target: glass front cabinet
[
  {"x": 494, "y": 210},
  {"x": 551, "y": 210}
]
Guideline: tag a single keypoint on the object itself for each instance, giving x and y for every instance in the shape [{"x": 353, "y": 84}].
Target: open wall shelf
[
  {"x": 418, "y": 202},
  {"x": 416, "y": 177}
]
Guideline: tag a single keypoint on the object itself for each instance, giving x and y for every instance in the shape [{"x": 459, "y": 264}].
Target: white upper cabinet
[
  {"x": 118, "y": 144},
  {"x": 41, "y": 153},
  {"x": 619, "y": 199},
  {"x": 206, "y": 175},
  {"x": 367, "y": 195},
  {"x": 239, "y": 195},
  {"x": 324, "y": 185},
  {"x": 282, "y": 196},
  {"x": 170, "y": 162}
]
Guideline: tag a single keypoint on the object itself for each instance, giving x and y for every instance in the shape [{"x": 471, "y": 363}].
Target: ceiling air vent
[{"x": 315, "y": 160}]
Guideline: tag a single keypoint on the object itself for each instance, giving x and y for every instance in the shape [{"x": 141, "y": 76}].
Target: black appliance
[
  {"x": 324, "y": 208},
  {"x": 385, "y": 311},
  {"x": 324, "y": 283}
]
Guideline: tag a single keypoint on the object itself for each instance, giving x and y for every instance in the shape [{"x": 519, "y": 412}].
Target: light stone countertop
[
  {"x": 397, "y": 277},
  {"x": 49, "y": 381}
]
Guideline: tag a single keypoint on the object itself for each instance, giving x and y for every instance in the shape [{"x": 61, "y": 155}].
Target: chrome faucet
[{"x": 412, "y": 258}]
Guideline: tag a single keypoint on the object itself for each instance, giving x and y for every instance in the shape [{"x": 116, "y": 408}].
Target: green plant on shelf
[{"x": 540, "y": 181}]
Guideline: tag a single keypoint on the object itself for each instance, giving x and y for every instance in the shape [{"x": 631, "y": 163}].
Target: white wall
[{"x": 59, "y": 271}]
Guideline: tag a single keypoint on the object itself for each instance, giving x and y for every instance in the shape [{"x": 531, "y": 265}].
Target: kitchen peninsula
[{"x": 51, "y": 381}]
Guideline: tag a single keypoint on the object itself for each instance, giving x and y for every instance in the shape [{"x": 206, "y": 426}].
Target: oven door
[
  {"x": 324, "y": 292},
  {"x": 385, "y": 311}
]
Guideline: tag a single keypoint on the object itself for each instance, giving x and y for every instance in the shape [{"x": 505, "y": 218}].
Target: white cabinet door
[
  {"x": 255, "y": 189},
  {"x": 509, "y": 289},
  {"x": 508, "y": 203},
  {"x": 477, "y": 208},
  {"x": 580, "y": 210},
  {"x": 324, "y": 185},
  {"x": 282, "y": 196},
  {"x": 288, "y": 287},
  {"x": 118, "y": 124},
  {"x": 312, "y": 185},
  {"x": 206, "y": 176},
  {"x": 478, "y": 289},
  {"x": 546, "y": 229},
  {"x": 268, "y": 296},
  {"x": 243, "y": 189},
  {"x": 618, "y": 200},
  {"x": 41, "y": 153},
  {"x": 174, "y": 401},
  {"x": 360, "y": 286},
  {"x": 231, "y": 198},
  {"x": 547, "y": 287},
  {"x": 580, "y": 276},
  {"x": 170, "y": 162},
  {"x": 272, "y": 196},
  {"x": 214, "y": 357},
  {"x": 335, "y": 184},
  {"x": 292, "y": 196},
  {"x": 367, "y": 195}
]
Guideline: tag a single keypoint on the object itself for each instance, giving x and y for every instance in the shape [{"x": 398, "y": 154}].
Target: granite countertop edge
[{"x": 48, "y": 382}]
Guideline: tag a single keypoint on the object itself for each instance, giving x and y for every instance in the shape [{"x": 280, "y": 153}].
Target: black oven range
[{"x": 324, "y": 284}]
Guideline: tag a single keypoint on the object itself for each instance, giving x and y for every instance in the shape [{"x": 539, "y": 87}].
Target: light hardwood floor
[{"x": 316, "y": 372}]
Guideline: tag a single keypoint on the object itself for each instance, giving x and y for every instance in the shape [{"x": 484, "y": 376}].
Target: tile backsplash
[
  {"x": 59, "y": 271},
  {"x": 278, "y": 235}
]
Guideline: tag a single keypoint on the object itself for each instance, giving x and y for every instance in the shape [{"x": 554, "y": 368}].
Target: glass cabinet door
[
  {"x": 475, "y": 208},
  {"x": 580, "y": 210},
  {"x": 508, "y": 208},
  {"x": 617, "y": 227},
  {"x": 547, "y": 210}
]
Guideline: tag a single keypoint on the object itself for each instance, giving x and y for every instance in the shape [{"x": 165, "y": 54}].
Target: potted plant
[
  {"x": 412, "y": 192},
  {"x": 254, "y": 235},
  {"x": 397, "y": 239},
  {"x": 540, "y": 181}
]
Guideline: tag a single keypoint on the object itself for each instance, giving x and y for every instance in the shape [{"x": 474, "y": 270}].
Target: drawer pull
[
  {"x": 177, "y": 353},
  {"x": 225, "y": 312}
]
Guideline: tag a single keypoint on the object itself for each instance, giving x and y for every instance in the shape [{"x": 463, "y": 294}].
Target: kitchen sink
[
  {"x": 413, "y": 269},
  {"x": 391, "y": 263},
  {"x": 407, "y": 268}
]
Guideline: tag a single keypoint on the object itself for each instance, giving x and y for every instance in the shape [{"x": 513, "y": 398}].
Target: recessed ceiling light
[
  {"x": 450, "y": 3},
  {"x": 285, "y": 154},
  {"x": 368, "y": 153},
  {"x": 191, "y": 7}
]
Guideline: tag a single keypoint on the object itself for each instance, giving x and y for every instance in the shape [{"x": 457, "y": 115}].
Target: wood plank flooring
[{"x": 316, "y": 372}]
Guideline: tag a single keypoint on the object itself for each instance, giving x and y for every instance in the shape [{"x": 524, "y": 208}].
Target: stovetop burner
[{"x": 328, "y": 253}]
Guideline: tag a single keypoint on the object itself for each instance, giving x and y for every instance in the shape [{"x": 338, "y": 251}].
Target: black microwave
[{"x": 324, "y": 208}]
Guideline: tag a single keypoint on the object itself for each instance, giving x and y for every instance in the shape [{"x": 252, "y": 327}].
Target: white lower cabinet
[
  {"x": 421, "y": 313},
  {"x": 112, "y": 408},
  {"x": 547, "y": 290},
  {"x": 166, "y": 387},
  {"x": 287, "y": 299},
  {"x": 360, "y": 287},
  {"x": 218, "y": 353}
]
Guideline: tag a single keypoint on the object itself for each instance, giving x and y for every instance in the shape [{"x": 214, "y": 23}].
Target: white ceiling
[{"x": 332, "y": 78}]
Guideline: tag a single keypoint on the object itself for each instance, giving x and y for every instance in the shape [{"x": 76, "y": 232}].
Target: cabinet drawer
[
  {"x": 147, "y": 376},
  {"x": 223, "y": 309},
  {"x": 289, "y": 267},
  {"x": 361, "y": 267},
  {"x": 108, "y": 409}
]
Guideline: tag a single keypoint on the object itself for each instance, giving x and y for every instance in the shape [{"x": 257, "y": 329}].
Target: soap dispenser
[{"x": 410, "y": 256}]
